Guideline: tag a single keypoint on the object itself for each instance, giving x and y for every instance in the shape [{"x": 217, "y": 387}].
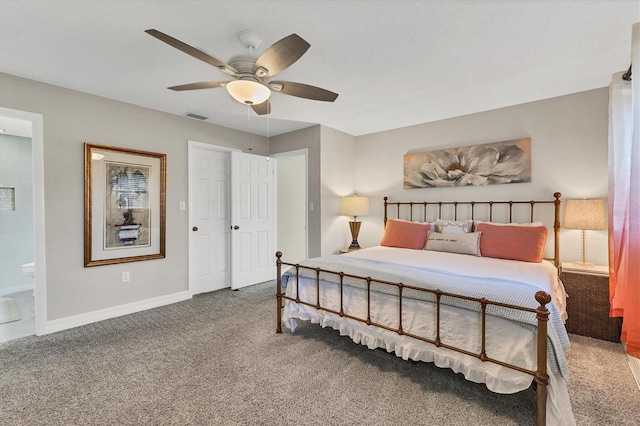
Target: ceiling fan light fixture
[
  {"x": 251, "y": 75},
  {"x": 262, "y": 72},
  {"x": 225, "y": 69},
  {"x": 248, "y": 92}
]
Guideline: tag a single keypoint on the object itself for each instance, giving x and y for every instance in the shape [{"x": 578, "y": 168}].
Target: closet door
[
  {"x": 252, "y": 219},
  {"x": 210, "y": 221}
]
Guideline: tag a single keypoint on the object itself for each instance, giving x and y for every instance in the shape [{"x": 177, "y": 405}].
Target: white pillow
[
  {"x": 461, "y": 243},
  {"x": 454, "y": 227}
]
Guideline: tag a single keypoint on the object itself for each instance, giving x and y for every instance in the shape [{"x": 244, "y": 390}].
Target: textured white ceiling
[{"x": 394, "y": 63}]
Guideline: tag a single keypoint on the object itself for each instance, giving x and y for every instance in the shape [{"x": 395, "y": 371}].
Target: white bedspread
[
  {"x": 506, "y": 340},
  {"x": 542, "y": 275}
]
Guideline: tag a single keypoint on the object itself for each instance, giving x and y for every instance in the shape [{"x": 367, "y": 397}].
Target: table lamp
[
  {"x": 355, "y": 206},
  {"x": 585, "y": 214}
]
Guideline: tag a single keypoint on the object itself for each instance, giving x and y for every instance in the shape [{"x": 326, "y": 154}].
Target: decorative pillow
[
  {"x": 525, "y": 243},
  {"x": 478, "y": 222},
  {"x": 466, "y": 243},
  {"x": 454, "y": 227},
  {"x": 405, "y": 234}
]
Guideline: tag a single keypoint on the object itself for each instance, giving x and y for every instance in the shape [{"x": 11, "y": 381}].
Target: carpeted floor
[{"x": 216, "y": 360}]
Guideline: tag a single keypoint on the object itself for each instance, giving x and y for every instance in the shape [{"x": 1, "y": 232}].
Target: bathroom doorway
[{"x": 22, "y": 295}]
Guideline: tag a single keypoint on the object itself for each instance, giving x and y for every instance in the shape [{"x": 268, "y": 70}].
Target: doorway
[
  {"x": 292, "y": 202},
  {"x": 27, "y": 126}
]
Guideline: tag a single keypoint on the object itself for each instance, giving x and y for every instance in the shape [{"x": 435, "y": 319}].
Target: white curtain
[{"x": 624, "y": 199}]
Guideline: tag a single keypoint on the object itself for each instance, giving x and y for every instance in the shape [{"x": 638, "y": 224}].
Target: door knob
[
  {"x": 195, "y": 228},
  {"x": 236, "y": 227}
]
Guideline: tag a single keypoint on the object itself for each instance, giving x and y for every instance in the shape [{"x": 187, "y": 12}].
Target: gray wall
[
  {"x": 569, "y": 154},
  {"x": 338, "y": 179},
  {"x": 306, "y": 138},
  {"x": 331, "y": 163},
  {"x": 569, "y": 146},
  {"x": 72, "y": 118},
  {"x": 16, "y": 227}
]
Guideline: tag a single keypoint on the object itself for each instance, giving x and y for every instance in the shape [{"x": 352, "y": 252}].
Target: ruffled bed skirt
[{"x": 506, "y": 341}]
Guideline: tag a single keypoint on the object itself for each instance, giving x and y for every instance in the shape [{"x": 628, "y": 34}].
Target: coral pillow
[
  {"x": 405, "y": 234},
  {"x": 525, "y": 243}
]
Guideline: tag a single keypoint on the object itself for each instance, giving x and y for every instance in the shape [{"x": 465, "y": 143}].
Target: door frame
[
  {"x": 297, "y": 152},
  {"x": 40, "y": 252},
  {"x": 190, "y": 169}
]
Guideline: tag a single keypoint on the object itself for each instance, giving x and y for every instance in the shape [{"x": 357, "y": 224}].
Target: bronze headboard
[{"x": 453, "y": 210}]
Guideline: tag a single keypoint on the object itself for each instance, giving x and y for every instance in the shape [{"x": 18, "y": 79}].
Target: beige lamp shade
[
  {"x": 585, "y": 214},
  {"x": 355, "y": 206}
]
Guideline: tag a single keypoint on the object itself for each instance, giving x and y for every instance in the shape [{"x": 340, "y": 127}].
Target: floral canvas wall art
[{"x": 475, "y": 165}]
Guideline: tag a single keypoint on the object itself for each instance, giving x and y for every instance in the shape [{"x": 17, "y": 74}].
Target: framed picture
[{"x": 124, "y": 205}]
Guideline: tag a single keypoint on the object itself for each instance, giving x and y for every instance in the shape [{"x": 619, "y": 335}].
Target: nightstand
[{"x": 588, "y": 302}]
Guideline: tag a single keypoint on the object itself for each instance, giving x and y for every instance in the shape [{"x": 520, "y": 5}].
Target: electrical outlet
[
  {"x": 183, "y": 205},
  {"x": 125, "y": 277}
]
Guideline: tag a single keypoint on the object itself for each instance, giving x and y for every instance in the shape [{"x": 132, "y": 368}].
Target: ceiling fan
[{"x": 252, "y": 84}]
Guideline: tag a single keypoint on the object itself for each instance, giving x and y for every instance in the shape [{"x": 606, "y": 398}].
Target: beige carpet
[{"x": 8, "y": 310}]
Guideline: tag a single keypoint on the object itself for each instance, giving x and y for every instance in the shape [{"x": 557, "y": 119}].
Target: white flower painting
[{"x": 475, "y": 165}]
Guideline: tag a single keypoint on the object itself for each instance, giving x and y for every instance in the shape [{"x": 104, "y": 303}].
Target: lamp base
[
  {"x": 355, "y": 229},
  {"x": 354, "y": 246}
]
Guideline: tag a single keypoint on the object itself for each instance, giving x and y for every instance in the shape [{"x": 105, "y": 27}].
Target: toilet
[{"x": 29, "y": 269}]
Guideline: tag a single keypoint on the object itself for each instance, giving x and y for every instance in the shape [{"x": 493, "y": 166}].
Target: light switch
[{"x": 183, "y": 205}]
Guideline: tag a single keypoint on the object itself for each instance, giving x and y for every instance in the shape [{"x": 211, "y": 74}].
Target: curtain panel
[{"x": 624, "y": 199}]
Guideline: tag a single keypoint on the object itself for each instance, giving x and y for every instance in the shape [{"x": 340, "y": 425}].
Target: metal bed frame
[{"x": 542, "y": 313}]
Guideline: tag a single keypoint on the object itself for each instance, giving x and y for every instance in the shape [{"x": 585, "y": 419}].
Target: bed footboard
[{"x": 540, "y": 375}]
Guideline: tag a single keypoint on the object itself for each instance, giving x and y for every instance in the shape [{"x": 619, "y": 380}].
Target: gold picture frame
[{"x": 124, "y": 205}]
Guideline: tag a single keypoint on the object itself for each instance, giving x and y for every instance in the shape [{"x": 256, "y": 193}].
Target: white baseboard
[
  {"x": 116, "y": 311},
  {"x": 634, "y": 364}
]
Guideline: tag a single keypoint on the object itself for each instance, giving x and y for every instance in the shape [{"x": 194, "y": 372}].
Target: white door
[
  {"x": 252, "y": 219},
  {"x": 209, "y": 219}
]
